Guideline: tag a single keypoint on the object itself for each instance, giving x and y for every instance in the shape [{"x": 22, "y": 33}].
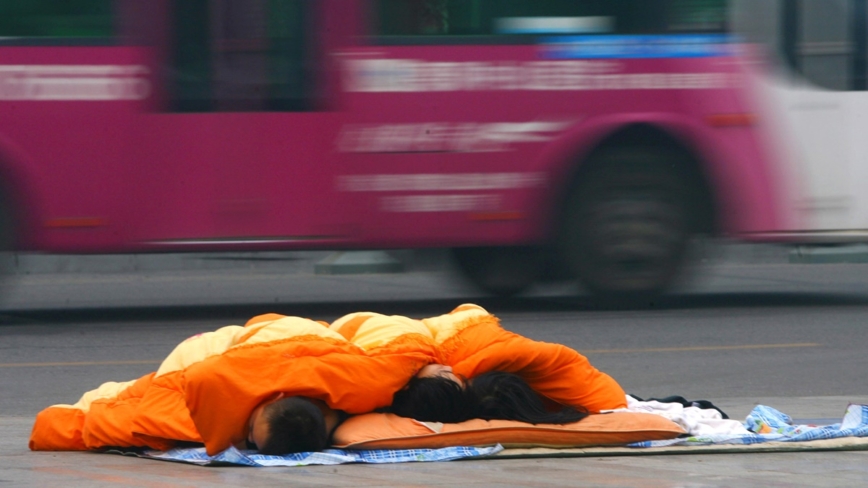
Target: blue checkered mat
[
  {"x": 236, "y": 457},
  {"x": 765, "y": 423}
]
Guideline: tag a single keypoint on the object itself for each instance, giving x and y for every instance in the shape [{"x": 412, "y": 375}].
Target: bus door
[
  {"x": 821, "y": 102},
  {"x": 240, "y": 152},
  {"x": 822, "y": 107}
]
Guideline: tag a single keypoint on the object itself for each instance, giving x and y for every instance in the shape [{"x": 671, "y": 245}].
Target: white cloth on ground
[{"x": 694, "y": 420}]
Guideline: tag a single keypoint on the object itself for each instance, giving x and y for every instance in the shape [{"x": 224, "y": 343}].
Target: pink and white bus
[
  {"x": 585, "y": 139},
  {"x": 812, "y": 93}
]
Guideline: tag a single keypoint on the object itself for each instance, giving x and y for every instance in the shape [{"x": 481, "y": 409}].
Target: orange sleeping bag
[
  {"x": 472, "y": 341},
  {"x": 206, "y": 389}
]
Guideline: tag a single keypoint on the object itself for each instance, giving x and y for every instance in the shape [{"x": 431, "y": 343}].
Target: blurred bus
[
  {"x": 537, "y": 139},
  {"x": 813, "y": 77}
]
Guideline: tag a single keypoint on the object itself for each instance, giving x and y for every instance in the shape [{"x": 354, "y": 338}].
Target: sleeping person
[
  {"x": 240, "y": 386},
  {"x": 488, "y": 372},
  {"x": 281, "y": 384}
]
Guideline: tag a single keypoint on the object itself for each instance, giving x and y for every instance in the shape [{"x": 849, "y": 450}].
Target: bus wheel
[
  {"x": 503, "y": 271},
  {"x": 628, "y": 221}
]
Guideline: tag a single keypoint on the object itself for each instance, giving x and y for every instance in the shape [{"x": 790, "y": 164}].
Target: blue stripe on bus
[{"x": 637, "y": 46}]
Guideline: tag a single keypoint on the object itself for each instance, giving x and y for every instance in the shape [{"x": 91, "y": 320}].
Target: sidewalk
[
  {"x": 298, "y": 261},
  {"x": 71, "y": 282}
]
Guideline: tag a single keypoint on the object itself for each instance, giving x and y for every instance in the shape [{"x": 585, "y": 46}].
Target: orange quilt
[
  {"x": 472, "y": 341},
  {"x": 206, "y": 389}
]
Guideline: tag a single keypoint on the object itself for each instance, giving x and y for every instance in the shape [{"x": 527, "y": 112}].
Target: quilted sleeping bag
[
  {"x": 472, "y": 341},
  {"x": 206, "y": 389}
]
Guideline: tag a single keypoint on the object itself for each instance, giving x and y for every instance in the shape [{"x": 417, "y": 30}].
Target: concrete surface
[
  {"x": 856, "y": 253},
  {"x": 20, "y": 467},
  {"x": 69, "y": 283}
]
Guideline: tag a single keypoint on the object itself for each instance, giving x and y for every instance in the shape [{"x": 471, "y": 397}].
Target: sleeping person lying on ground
[
  {"x": 211, "y": 387},
  {"x": 484, "y": 369},
  {"x": 279, "y": 384},
  {"x": 285, "y": 425},
  {"x": 437, "y": 395}
]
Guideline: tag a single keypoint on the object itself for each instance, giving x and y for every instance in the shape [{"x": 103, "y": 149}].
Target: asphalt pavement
[{"x": 104, "y": 290}]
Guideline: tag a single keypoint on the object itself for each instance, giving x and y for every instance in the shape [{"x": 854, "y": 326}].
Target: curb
[
  {"x": 42, "y": 264},
  {"x": 857, "y": 253}
]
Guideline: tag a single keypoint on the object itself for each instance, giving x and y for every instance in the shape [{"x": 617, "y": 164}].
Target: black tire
[
  {"x": 502, "y": 271},
  {"x": 628, "y": 222}
]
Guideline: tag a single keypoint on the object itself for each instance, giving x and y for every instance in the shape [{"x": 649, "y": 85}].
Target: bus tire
[
  {"x": 502, "y": 271},
  {"x": 628, "y": 222}
]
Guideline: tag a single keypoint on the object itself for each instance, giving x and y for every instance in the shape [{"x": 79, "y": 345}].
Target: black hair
[
  {"x": 295, "y": 424},
  {"x": 433, "y": 399},
  {"x": 506, "y": 396}
]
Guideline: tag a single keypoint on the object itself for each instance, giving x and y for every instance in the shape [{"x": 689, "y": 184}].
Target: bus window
[
  {"x": 478, "y": 18},
  {"x": 41, "y": 20},
  {"x": 824, "y": 46},
  {"x": 697, "y": 15},
  {"x": 241, "y": 55},
  {"x": 758, "y": 22},
  {"x": 824, "y": 41}
]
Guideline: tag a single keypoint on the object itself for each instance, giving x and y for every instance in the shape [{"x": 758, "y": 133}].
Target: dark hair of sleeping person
[
  {"x": 506, "y": 396},
  {"x": 295, "y": 425},
  {"x": 433, "y": 399}
]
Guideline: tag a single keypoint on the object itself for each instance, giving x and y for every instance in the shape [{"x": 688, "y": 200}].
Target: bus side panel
[
  {"x": 441, "y": 167},
  {"x": 418, "y": 139},
  {"x": 71, "y": 111},
  {"x": 235, "y": 179}
]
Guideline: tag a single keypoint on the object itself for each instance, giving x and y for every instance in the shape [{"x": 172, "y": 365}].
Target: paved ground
[
  {"x": 60, "y": 290},
  {"x": 19, "y": 467}
]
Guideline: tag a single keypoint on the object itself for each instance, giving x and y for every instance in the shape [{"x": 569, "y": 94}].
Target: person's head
[
  {"x": 284, "y": 425},
  {"x": 506, "y": 396},
  {"x": 440, "y": 371},
  {"x": 435, "y": 394}
]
